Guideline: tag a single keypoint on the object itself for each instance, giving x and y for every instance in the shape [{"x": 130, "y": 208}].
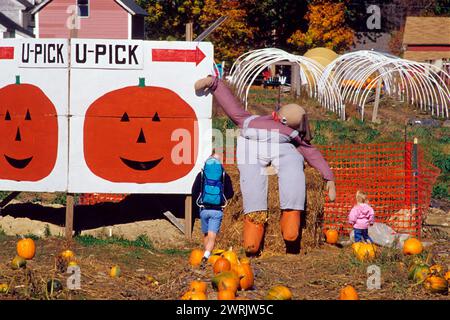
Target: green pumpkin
[
  {"x": 419, "y": 273},
  {"x": 18, "y": 262}
]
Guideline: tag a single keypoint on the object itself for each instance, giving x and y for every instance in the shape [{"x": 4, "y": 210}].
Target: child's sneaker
[{"x": 203, "y": 263}]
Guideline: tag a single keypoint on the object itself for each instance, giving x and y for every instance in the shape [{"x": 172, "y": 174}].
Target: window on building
[{"x": 83, "y": 8}]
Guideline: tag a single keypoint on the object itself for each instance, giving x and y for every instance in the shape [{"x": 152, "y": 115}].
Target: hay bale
[{"x": 232, "y": 224}]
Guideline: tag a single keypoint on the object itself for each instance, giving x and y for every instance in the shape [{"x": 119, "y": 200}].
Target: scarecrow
[{"x": 282, "y": 140}]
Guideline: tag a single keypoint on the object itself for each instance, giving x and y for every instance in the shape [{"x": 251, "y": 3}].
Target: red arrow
[
  {"x": 7, "y": 53},
  {"x": 177, "y": 55}
]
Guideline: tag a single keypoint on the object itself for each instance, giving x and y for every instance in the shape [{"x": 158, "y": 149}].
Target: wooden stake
[
  {"x": 69, "y": 216},
  {"x": 189, "y": 31},
  {"x": 188, "y": 216}
]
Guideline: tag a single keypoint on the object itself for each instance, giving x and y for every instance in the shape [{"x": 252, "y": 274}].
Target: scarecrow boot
[
  {"x": 253, "y": 233},
  {"x": 290, "y": 229}
]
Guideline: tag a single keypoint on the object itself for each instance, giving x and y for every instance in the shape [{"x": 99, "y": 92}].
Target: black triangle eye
[
  {"x": 125, "y": 117},
  {"x": 156, "y": 117},
  {"x": 7, "y": 115},
  {"x": 28, "y": 116}
]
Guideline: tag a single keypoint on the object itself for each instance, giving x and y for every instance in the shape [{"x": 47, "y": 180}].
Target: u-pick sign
[{"x": 178, "y": 55}]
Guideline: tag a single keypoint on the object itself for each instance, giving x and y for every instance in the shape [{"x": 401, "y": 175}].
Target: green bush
[{"x": 440, "y": 191}]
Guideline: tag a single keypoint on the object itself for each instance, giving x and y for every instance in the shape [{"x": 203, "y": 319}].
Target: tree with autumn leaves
[
  {"x": 251, "y": 24},
  {"x": 326, "y": 27}
]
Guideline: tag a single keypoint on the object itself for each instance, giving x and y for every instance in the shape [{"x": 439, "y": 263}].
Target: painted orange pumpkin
[
  {"x": 348, "y": 293},
  {"x": 412, "y": 246},
  {"x": 221, "y": 265},
  {"x": 29, "y": 131},
  {"x": 332, "y": 236},
  {"x": 226, "y": 295},
  {"x": 140, "y": 134},
  {"x": 26, "y": 248},
  {"x": 195, "y": 259},
  {"x": 197, "y": 286}
]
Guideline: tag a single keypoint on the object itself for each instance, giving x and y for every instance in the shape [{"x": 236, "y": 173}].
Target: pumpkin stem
[
  {"x": 141, "y": 82},
  {"x": 17, "y": 79}
]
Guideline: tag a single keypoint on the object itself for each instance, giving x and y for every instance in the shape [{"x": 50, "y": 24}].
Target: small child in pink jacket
[{"x": 360, "y": 217}]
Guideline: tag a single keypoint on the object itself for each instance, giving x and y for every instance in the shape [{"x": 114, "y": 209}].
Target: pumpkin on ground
[
  {"x": 419, "y": 272},
  {"x": 115, "y": 272},
  {"x": 198, "y": 286},
  {"x": 245, "y": 260},
  {"x": 18, "y": 262},
  {"x": 186, "y": 296},
  {"x": 229, "y": 284},
  {"x": 412, "y": 246},
  {"x": 436, "y": 284},
  {"x": 348, "y": 293},
  {"x": 26, "y": 248},
  {"x": 447, "y": 276},
  {"x": 195, "y": 259},
  {"x": 217, "y": 279},
  {"x": 221, "y": 265},
  {"x": 4, "y": 288},
  {"x": 331, "y": 236},
  {"x": 279, "y": 292},
  {"x": 364, "y": 251},
  {"x": 226, "y": 295},
  {"x": 212, "y": 259},
  {"x": 436, "y": 269},
  {"x": 231, "y": 256},
  {"x": 198, "y": 296},
  {"x": 245, "y": 274},
  {"x": 68, "y": 255}
]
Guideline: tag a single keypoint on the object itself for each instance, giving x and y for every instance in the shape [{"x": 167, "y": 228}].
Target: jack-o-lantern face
[
  {"x": 29, "y": 133},
  {"x": 130, "y": 135}
]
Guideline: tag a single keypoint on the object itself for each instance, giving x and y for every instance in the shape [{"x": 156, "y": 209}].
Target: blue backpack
[{"x": 212, "y": 177}]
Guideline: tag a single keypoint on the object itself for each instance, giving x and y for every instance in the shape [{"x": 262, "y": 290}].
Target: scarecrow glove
[{"x": 331, "y": 188}]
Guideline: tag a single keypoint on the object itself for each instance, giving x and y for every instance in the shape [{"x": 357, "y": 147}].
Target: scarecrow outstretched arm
[
  {"x": 316, "y": 160},
  {"x": 237, "y": 114}
]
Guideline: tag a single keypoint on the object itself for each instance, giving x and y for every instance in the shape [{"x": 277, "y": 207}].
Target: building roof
[
  {"x": 128, "y": 5},
  {"x": 11, "y": 25},
  {"x": 426, "y": 55},
  {"x": 427, "y": 31}
]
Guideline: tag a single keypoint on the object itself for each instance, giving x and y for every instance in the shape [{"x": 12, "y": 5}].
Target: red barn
[{"x": 97, "y": 19}]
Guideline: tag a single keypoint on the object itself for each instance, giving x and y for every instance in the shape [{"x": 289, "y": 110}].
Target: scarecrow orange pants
[{"x": 254, "y": 232}]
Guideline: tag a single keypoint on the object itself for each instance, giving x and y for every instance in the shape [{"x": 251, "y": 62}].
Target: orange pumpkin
[
  {"x": 226, "y": 295},
  {"x": 217, "y": 279},
  {"x": 245, "y": 274},
  {"x": 332, "y": 236},
  {"x": 221, "y": 265},
  {"x": 245, "y": 260},
  {"x": 197, "y": 286},
  {"x": 198, "y": 296},
  {"x": 231, "y": 256},
  {"x": 195, "y": 259},
  {"x": 228, "y": 284},
  {"x": 212, "y": 259},
  {"x": 29, "y": 132},
  {"x": 186, "y": 296},
  {"x": 67, "y": 254},
  {"x": 447, "y": 276},
  {"x": 26, "y": 248},
  {"x": 279, "y": 292},
  {"x": 412, "y": 246},
  {"x": 348, "y": 293},
  {"x": 436, "y": 284},
  {"x": 132, "y": 130}
]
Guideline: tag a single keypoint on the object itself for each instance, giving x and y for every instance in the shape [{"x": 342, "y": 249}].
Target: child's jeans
[
  {"x": 211, "y": 220},
  {"x": 362, "y": 234}
]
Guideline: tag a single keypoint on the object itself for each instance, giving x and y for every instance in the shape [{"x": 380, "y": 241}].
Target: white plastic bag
[{"x": 384, "y": 236}]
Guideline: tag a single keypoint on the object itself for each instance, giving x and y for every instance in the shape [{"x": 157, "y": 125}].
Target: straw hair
[{"x": 361, "y": 197}]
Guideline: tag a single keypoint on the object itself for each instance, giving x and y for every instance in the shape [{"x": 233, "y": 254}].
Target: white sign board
[{"x": 136, "y": 124}]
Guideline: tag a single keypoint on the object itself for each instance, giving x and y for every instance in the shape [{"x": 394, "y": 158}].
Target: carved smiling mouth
[
  {"x": 18, "y": 163},
  {"x": 141, "y": 165}
]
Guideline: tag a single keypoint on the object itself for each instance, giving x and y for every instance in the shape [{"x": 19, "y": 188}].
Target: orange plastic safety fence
[
  {"x": 94, "y": 198},
  {"x": 396, "y": 178}
]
